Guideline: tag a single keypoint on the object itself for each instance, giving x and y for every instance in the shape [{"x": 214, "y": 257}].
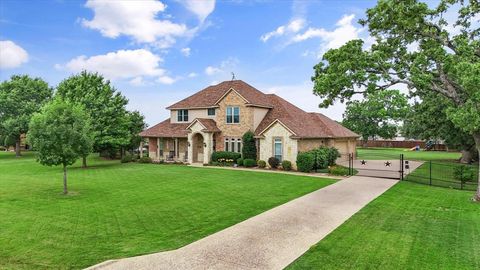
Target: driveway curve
[{"x": 270, "y": 240}]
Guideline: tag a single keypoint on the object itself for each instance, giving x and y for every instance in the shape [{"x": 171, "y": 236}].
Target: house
[{"x": 215, "y": 119}]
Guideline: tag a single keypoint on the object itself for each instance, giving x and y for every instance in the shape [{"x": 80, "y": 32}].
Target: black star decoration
[
  {"x": 363, "y": 162},
  {"x": 387, "y": 164}
]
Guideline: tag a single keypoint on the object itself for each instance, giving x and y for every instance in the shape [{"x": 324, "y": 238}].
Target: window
[
  {"x": 233, "y": 115},
  {"x": 277, "y": 148},
  {"x": 226, "y": 144},
  {"x": 239, "y": 145},
  {"x": 211, "y": 111},
  {"x": 182, "y": 115},
  {"x": 232, "y": 143}
]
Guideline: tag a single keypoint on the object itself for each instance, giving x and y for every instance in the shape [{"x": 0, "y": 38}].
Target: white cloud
[
  {"x": 345, "y": 31},
  {"x": 11, "y": 55},
  {"x": 166, "y": 80},
  {"x": 210, "y": 70},
  {"x": 293, "y": 26},
  {"x": 186, "y": 51},
  {"x": 227, "y": 65},
  {"x": 137, "y": 81},
  {"x": 192, "y": 75},
  {"x": 200, "y": 8},
  {"x": 136, "y": 19},
  {"x": 122, "y": 64}
]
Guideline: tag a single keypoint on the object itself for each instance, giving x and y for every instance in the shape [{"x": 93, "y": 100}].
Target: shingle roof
[
  {"x": 303, "y": 124},
  {"x": 166, "y": 129},
  {"x": 209, "y": 96},
  {"x": 209, "y": 124}
]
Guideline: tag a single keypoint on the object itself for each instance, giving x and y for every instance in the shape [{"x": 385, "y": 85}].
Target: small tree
[
  {"x": 61, "y": 134},
  {"x": 249, "y": 149}
]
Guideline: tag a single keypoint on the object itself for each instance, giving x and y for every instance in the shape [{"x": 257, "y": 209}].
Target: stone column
[
  {"x": 158, "y": 148},
  {"x": 141, "y": 148}
]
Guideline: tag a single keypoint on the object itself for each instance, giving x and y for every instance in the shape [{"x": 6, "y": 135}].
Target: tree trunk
[
  {"x": 476, "y": 136},
  {"x": 84, "y": 161},
  {"x": 467, "y": 156},
  {"x": 65, "y": 190},
  {"x": 17, "y": 147}
]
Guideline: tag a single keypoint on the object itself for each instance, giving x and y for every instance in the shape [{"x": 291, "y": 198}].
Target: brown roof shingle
[
  {"x": 209, "y": 124},
  {"x": 303, "y": 124},
  {"x": 166, "y": 129},
  {"x": 209, "y": 96}
]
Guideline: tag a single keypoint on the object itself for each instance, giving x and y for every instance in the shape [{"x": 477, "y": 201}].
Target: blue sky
[{"x": 158, "y": 52}]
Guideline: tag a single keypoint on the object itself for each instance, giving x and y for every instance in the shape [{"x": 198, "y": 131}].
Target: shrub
[
  {"x": 305, "y": 162},
  {"x": 126, "y": 159},
  {"x": 338, "y": 170},
  {"x": 463, "y": 174},
  {"x": 240, "y": 162},
  {"x": 287, "y": 165},
  {"x": 333, "y": 154},
  {"x": 145, "y": 160},
  {"x": 261, "y": 163},
  {"x": 273, "y": 162},
  {"x": 214, "y": 163},
  {"x": 222, "y": 156},
  {"x": 249, "y": 149},
  {"x": 248, "y": 162}
]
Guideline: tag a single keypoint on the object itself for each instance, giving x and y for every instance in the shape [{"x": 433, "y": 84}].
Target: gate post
[{"x": 401, "y": 167}]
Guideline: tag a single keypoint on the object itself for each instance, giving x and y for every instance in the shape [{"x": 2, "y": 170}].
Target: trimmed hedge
[
  {"x": 126, "y": 159},
  {"x": 338, "y": 170},
  {"x": 240, "y": 162},
  {"x": 224, "y": 155},
  {"x": 322, "y": 158},
  {"x": 305, "y": 162},
  {"x": 248, "y": 162},
  {"x": 261, "y": 164},
  {"x": 273, "y": 162},
  {"x": 287, "y": 165},
  {"x": 145, "y": 160}
]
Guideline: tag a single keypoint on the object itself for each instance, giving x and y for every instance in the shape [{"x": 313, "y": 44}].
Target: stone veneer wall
[
  {"x": 232, "y": 130},
  {"x": 290, "y": 146}
]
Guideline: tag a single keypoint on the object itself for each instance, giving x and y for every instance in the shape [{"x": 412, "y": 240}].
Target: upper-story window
[
  {"x": 182, "y": 115},
  {"x": 211, "y": 111},
  {"x": 233, "y": 115}
]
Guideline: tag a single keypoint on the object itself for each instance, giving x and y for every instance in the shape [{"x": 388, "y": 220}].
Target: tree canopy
[
  {"x": 20, "y": 98},
  {"x": 378, "y": 115},
  {"x": 104, "y": 105},
  {"x": 60, "y": 134},
  {"x": 415, "y": 46}
]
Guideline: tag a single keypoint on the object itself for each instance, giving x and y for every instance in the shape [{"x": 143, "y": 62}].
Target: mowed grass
[
  {"x": 117, "y": 210},
  {"x": 380, "y": 153},
  {"x": 443, "y": 174},
  {"x": 409, "y": 227}
]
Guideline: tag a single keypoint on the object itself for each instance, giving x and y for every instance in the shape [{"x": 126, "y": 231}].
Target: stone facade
[
  {"x": 232, "y": 130},
  {"x": 289, "y": 145},
  {"x": 201, "y": 148}
]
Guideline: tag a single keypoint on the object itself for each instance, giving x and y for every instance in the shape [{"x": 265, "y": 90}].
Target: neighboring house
[{"x": 216, "y": 118}]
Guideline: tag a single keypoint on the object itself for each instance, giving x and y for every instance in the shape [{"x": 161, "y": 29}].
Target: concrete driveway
[{"x": 271, "y": 240}]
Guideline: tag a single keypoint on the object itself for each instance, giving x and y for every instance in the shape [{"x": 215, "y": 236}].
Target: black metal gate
[{"x": 381, "y": 166}]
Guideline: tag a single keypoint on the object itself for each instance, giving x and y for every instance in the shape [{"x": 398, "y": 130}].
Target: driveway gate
[{"x": 381, "y": 166}]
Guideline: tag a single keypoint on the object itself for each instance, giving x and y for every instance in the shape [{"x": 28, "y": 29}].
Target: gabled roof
[
  {"x": 301, "y": 123},
  {"x": 166, "y": 129},
  {"x": 210, "y": 96},
  {"x": 209, "y": 125}
]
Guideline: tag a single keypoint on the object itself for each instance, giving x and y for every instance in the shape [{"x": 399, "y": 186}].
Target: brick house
[{"x": 215, "y": 119}]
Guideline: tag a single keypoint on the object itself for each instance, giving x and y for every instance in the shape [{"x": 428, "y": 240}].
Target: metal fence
[{"x": 445, "y": 174}]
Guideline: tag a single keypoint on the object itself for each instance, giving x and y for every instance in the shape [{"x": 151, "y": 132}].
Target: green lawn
[
  {"x": 380, "y": 153},
  {"x": 410, "y": 226},
  {"x": 118, "y": 210},
  {"x": 442, "y": 174}
]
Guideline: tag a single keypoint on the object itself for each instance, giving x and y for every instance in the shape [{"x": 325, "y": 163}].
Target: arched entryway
[{"x": 197, "y": 148}]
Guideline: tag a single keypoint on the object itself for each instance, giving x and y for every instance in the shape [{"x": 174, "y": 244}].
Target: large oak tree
[
  {"x": 415, "y": 46},
  {"x": 20, "y": 98},
  {"x": 104, "y": 105}
]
